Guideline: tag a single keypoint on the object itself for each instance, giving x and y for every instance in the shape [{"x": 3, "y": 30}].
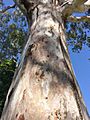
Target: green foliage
[
  {"x": 7, "y": 68},
  {"x": 13, "y": 32},
  {"x": 78, "y": 35}
]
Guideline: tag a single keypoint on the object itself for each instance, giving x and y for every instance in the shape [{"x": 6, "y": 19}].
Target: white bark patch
[
  {"x": 87, "y": 3},
  {"x": 45, "y": 1},
  {"x": 49, "y": 27},
  {"x": 48, "y": 33},
  {"x": 46, "y": 85},
  {"x": 71, "y": 106}
]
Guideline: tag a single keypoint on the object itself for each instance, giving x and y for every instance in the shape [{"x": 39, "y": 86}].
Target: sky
[{"x": 81, "y": 67}]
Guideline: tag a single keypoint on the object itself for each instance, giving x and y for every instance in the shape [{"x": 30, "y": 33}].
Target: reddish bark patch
[
  {"x": 48, "y": 56},
  {"x": 42, "y": 75},
  {"x": 46, "y": 97},
  {"x": 37, "y": 73},
  {"x": 24, "y": 92},
  {"x": 21, "y": 117},
  {"x": 16, "y": 115},
  {"x": 26, "y": 110}
]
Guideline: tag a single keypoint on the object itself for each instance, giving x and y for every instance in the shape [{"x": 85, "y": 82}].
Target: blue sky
[{"x": 81, "y": 66}]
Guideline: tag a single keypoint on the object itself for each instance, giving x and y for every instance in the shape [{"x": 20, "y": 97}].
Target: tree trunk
[{"x": 44, "y": 86}]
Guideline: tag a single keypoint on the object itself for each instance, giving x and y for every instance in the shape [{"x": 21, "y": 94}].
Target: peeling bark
[{"x": 44, "y": 86}]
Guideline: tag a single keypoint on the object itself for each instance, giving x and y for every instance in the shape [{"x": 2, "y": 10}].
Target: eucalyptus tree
[{"x": 44, "y": 86}]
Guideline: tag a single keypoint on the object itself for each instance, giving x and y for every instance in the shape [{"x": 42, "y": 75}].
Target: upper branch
[
  {"x": 79, "y": 19},
  {"x": 76, "y": 6},
  {"x": 26, "y": 5},
  {"x": 7, "y": 8}
]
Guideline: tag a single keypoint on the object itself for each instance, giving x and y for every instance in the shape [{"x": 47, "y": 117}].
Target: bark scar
[{"x": 21, "y": 117}]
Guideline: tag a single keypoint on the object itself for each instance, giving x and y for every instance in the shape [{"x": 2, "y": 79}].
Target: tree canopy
[{"x": 13, "y": 31}]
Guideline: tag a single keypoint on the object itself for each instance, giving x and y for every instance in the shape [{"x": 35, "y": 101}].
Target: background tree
[
  {"x": 13, "y": 31},
  {"x": 7, "y": 68},
  {"x": 77, "y": 44}
]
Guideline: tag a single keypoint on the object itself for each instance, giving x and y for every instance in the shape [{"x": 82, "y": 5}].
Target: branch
[
  {"x": 76, "y": 6},
  {"x": 87, "y": 2},
  {"x": 7, "y": 8},
  {"x": 21, "y": 6},
  {"x": 79, "y": 19}
]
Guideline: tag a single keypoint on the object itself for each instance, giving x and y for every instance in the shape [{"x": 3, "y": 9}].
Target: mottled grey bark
[{"x": 44, "y": 86}]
